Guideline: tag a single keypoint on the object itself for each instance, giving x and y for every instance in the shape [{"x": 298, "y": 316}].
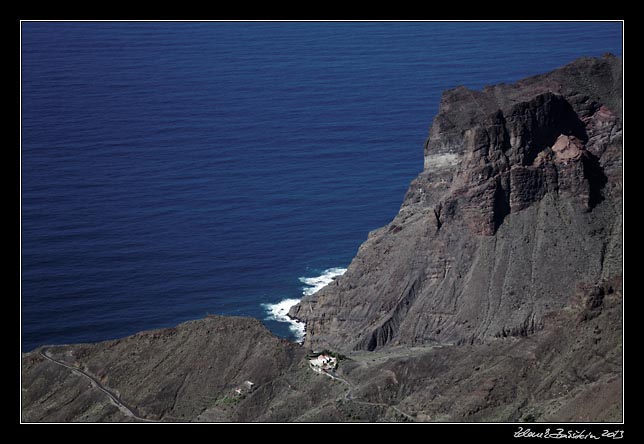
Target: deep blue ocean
[{"x": 171, "y": 170}]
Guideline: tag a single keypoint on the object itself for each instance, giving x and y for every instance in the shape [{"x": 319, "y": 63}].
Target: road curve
[
  {"x": 348, "y": 396},
  {"x": 127, "y": 410}
]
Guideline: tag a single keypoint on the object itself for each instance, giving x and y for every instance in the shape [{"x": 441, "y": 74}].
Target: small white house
[{"x": 324, "y": 362}]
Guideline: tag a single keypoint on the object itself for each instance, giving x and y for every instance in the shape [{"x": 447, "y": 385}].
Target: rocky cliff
[
  {"x": 519, "y": 203},
  {"x": 494, "y": 295}
]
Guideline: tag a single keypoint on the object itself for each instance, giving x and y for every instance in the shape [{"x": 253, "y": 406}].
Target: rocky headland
[{"x": 495, "y": 294}]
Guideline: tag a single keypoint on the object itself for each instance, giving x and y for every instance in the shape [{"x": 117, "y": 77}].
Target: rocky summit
[{"x": 495, "y": 294}]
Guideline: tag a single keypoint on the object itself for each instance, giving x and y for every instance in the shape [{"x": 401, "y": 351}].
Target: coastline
[{"x": 438, "y": 317}]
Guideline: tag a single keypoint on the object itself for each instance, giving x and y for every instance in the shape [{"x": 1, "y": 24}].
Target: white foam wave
[
  {"x": 279, "y": 311},
  {"x": 317, "y": 283}
]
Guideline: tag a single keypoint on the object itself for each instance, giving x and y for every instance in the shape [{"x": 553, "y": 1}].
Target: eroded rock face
[{"x": 520, "y": 201}]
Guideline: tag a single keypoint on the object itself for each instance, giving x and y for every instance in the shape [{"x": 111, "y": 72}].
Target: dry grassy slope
[{"x": 186, "y": 373}]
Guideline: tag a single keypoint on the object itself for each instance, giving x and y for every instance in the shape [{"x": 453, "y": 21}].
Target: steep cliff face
[{"x": 519, "y": 203}]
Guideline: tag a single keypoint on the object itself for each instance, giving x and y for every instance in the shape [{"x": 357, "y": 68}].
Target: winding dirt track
[
  {"x": 348, "y": 396},
  {"x": 123, "y": 407},
  {"x": 131, "y": 411}
]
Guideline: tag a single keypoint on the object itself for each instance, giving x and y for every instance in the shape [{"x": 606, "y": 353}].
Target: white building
[{"x": 324, "y": 362}]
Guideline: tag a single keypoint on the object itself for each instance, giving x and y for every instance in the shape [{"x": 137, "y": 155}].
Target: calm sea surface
[{"x": 170, "y": 170}]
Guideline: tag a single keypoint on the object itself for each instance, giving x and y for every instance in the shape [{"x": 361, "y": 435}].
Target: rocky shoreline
[{"x": 495, "y": 294}]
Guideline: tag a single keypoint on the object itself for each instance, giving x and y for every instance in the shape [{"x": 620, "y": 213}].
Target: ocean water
[{"x": 171, "y": 170}]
